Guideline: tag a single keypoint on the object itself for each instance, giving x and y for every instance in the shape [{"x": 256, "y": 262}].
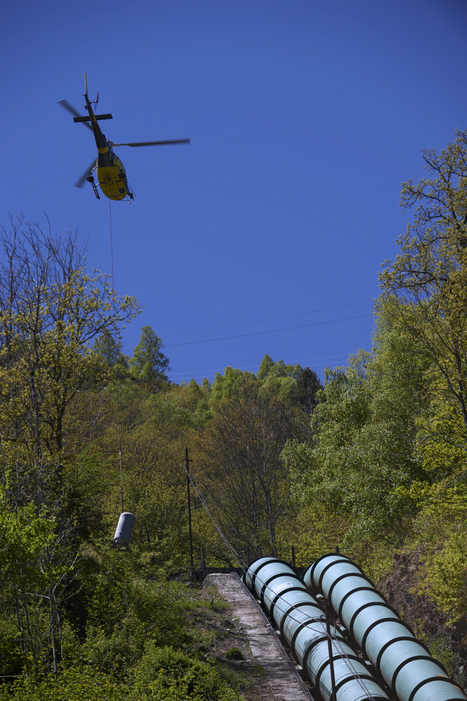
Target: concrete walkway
[{"x": 281, "y": 676}]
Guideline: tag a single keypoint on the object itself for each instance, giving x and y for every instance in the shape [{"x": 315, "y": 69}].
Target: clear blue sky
[{"x": 305, "y": 116}]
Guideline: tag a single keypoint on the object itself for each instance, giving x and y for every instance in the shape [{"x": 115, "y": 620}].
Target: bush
[
  {"x": 79, "y": 684},
  {"x": 234, "y": 654},
  {"x": 166, "y": 675},
  {"x": 169, "y": 674}
]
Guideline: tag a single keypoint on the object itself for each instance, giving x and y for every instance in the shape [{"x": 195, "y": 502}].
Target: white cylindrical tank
[{"x": 125, "y": 526}]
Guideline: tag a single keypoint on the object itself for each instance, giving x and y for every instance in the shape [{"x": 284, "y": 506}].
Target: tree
[
  {"x": 242, "y": 474},
  {"x": 308, "y": 386},
  {"x": 148, "y": 361},
  {"x": 109, "y": 348},
  {"x": 230, "y": 384},
  {"x": 279, "y": 376},
  {"x": 265, "y": 367},
  {"x": 298, "y": 385},
  {"x": 365, "y": 457},
  {"x": 50, "y": 311},
  {"x": 428, "y": 279}
]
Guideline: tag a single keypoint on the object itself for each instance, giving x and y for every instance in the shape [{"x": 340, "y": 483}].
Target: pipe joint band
[
  {"x": 294, "y": 607},
  {"x": 429, "y": 658},
  {"x": 428, "y": 681}
]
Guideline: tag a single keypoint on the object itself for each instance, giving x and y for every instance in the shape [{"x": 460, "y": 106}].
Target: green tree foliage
[
  {"x": 148, "y": 361},
  {"x": 364, "y": 456},
  {"x": 230, "y": 384},
  {"x": 240, "y": 468},
  {"x": 308, "y": 387},
  {"x": 280, "y": 376},
  {"x": 148, "y": 436},
  {"x": 440, "y": 540},
  {"x": 428, "y": 279},
  {"x": 174, "y": 677},
  {"x": 109, "y": 349},
  {"x": 299, "y": 386},
  {"x": 427, "y": 288},
  {"x": 25, "y": 573},
  {"x": 50, "y": 311},
  {"x": 192, "y": 400}
]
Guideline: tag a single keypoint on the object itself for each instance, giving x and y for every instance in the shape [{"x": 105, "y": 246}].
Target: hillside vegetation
[{"x": 374, "y": 462}]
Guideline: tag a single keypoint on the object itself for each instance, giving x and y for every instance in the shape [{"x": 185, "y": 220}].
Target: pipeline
[
  {"x": 330, "y": 661},
  {"x": 403, "y": 662}
]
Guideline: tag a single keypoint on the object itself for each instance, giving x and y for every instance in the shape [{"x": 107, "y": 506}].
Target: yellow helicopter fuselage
[
  {"x": 111, "y": 175},
  {"x": 110, "y": 170}
]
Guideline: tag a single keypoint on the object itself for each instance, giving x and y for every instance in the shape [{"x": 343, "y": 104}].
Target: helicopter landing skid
[{"x": 90, "y": 179}]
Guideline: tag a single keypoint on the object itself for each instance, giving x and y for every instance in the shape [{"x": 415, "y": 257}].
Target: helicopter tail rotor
[{"x": 93, "y": 102}]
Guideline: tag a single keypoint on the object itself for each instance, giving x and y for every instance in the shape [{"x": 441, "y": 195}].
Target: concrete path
[{"x": 281, "y": 676}]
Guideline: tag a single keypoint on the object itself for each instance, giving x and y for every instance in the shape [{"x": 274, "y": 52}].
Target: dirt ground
[{"x": 247, "y": 646}]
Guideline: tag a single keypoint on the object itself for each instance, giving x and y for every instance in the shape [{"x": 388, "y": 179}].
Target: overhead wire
[
  {"x": 272, "y": 318},
  {"x": 260, "y": 321},
  {"x": 230, "y": 548},
  {"x": 260, "y": 333}
]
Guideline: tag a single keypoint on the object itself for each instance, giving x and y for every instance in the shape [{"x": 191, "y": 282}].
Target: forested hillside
[{"x": 374, "y": 462}]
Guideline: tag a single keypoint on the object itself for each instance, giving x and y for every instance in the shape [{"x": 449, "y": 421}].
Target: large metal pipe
[
  {"x": 404, "y": 663},
  {"x": 297, "y": 615}
]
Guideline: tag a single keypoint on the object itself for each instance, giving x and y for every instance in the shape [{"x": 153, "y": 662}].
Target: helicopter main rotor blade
[
  {"x": 71, "y": 109},
  {"x": 81, "y": 181},
  {"x": 155, "y": 143}
]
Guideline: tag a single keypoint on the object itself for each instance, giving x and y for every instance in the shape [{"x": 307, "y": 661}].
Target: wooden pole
[{"x": 187, "y": 463}]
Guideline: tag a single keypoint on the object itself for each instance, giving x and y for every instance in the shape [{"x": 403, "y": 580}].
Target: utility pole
[{"x": 187, "y": 464}]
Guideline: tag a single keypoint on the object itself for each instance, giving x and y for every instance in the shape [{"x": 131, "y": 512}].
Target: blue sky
[{"x": 304, "y": 117}]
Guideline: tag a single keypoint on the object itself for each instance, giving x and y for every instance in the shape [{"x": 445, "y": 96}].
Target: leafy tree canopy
[
  {"x": 428, "y": 280},
  {"x": 230, "y": 384},
  {"x": 148, "y": 361},
  {"x": 109, "y": 347},
  {"x": 294, "y": 384},
  {"x": 365, "y": 456}
]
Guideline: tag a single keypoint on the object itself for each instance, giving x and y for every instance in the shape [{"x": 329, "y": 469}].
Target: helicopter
[{"x": 111, "y": 173}]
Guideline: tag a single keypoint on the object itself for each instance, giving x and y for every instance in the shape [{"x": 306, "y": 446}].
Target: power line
[
  {"x": 233, "y": 552},
  {"x": 260, "y": 321},
  {"x": 259, "y": 333}
]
